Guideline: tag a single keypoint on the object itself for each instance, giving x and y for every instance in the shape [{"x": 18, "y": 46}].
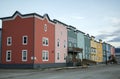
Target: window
[
  {"x": 24, "y": 55},
  {"x": 58, "y": 43},
  {"x": 9, "y": 41},
  {"x": 45, "y": 55},
  {"x": 58, "y": 56},
  {"x": 64, "y": 44},
  {"x": 45, "y": 27},
  {"x": 8, "y": 55},
  {"x": 64, "y": 56},
  {"x": 45, "y": 41},
  {"x": 70, "y": 44},
  {"x": 25, "y": 40}
]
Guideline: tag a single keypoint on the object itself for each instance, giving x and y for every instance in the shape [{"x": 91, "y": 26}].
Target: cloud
[
  {"x": 78, "y": 17},
  {"x": 113, "y": 36},
  {"x": 114, "y": 21},
  {"x": 117, "y": 39}
]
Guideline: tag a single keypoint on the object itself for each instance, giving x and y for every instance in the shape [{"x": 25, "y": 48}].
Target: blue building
[
  {"x": 0, "y": 43},
  {"x": 117, "y": 55},
  {"x": 104, "y": 52},
  {"x": 81, "y": 43},
  {"x": 87, "y": 46},
  {"x": 73, "y": 49}
]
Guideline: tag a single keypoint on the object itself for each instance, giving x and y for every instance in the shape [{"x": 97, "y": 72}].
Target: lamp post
[{"x": 106, "y": 57}]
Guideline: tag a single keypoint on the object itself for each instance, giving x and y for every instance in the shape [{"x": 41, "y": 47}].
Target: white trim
[
  {"x": 28, "y": 16},
  {"x": 58, "y": 43},
  {"x": 8, "y": 41},
  {"x": 44, "y": 39},
  {"x": 26, "y": 40},
  {"x": 45, "y": 54},
  {"x": 24, "y": 51},
  {"x": 7, "y": 55},
  {"x": 58, "y": 55},
  {"x": 45, "y": 27}
]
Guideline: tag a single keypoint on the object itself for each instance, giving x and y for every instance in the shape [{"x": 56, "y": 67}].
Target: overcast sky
[{"x": 99, "y": 18}]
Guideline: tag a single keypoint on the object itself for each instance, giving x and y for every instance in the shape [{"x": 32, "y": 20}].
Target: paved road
[{"x": 93, "y": 72}]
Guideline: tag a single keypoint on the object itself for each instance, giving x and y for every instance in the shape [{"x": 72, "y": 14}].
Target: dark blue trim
[
  {"x": 16, "y": 66},
  {"x": 31, "y": 66},
  {"x": 51, "y": 65}
]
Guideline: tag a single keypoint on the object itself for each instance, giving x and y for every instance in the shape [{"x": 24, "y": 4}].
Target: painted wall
[
  {"x": 61, "y": 36},
  {"x": 99, "y": 52},
  {"x": 93, "y": 49},
  {"x": 16, "y": 28},
  {"x": 72, "y": 41},
  {"x": 104, "y": 51},
  {"x": 0, "y": 43},
  {"x": 81, "y": 43},
  {"x": 112, "y": 50},
  {"x": 72, "y": 37},
  {"x": 39, "y": 33},
  {"x": 108, "y": 50},
  {"x": 87, "y": 46}
]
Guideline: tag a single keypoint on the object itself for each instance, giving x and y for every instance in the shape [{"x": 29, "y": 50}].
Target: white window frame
[
  {"x": 26, "y": 40},
  {"x": 64, "y": 56},
  {"x": 9, "y": 39},
  {"x": 45, "y": 27},
  {"x": 58, "y": 56},
  {"x": 44, "y": 39},
  {"x": 45, "y": 54},
  {"x": 7, "y": 55},
  {"x": 24, "y": 51},
  {"x": 65, "y": 45},
  {"x": 58, "y": 42}
]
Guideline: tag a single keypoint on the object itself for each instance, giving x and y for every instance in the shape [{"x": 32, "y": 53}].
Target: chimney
[
  {"x": 100, "y": 40},
  {"x": 92, "y": 37}
]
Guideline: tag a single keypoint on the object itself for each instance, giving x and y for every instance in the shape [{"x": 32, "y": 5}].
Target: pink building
[
  {"x": 60, "y": 42},
  {"x": 112, "y": 50}
]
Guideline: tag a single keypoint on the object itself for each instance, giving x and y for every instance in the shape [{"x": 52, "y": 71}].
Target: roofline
[
  {"x": 25, "y": 15},
  {"x": 80, "y": 31},
  {"x": 55, "y": 20}
]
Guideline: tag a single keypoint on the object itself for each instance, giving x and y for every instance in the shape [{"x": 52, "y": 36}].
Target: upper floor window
[
  {"x": 8, "y": 55},
  {"x": 25, "y": 40},
  {"x": 58, "y": 56},
  {"x": 45, "y": 27},
  {"x": 65, "y": 44},
  {"x": 9, "y": 41},
  {"x": 45, "y": 55},
  {"x": 58, "y": 43},
  {"x": 24, "y": 55},
  {"x": 64, "y": 56},
  {"x": 45, "y": 41}
]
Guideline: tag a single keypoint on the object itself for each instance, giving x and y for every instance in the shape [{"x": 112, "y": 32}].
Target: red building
[{"x": 28, "y": 41}]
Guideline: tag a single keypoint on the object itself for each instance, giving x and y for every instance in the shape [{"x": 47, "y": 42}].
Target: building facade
[
  {"x": 73, "y": 50},
  {"x": 87, "y": 46},
  {"x": 104, "y": 52},
  {"x": 81, "y": 43},
  {"x": 112, "y": 50},
  {"x": 93, "y": 54},
  {"x": 60, "y": 42},
  {"x": 28, "y": 41},
  {"x": 99, "y": 52},
  {"x": 0, "y": 44},
  {"x": 35, "y": 41},
  {"x": 117, "y": 55}
]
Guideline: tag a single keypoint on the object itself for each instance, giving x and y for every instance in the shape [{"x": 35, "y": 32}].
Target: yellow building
[
  {"x": 99, "y": 54},
  {"x": 96, "y": 50},
  {"x": 93, "y": 48}
]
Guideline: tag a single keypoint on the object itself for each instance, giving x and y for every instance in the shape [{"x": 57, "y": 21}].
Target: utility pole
[{"x": 106, "y": 57}]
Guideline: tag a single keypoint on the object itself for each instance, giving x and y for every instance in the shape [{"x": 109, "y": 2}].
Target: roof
[
  {"x": 55, "y": 20},
  {"x": 17, "y": 13}
]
